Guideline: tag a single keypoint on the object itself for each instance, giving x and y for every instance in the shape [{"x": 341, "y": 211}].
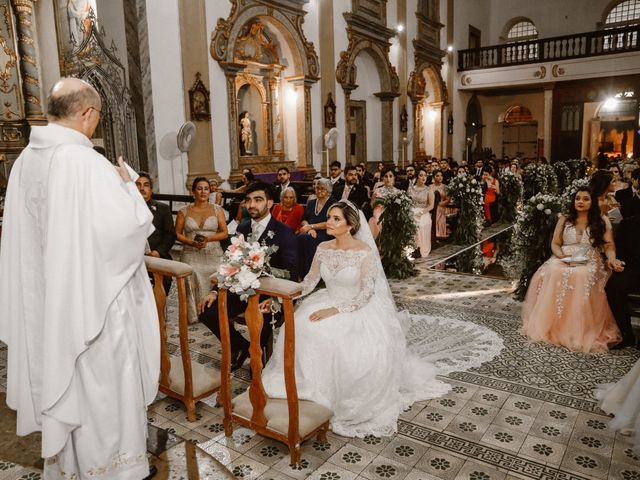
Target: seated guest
[
  {"x": 565, "y": 304},
  {"x": 200, "y": 226},
  {"x": 164, "y": 236},
  {"x": 423, "y": 202},
  {"x": 618, "y": 182},
  {"x": 351, "y": 190},
  {"x": 627, "y": 281},
  {"x": 602, "y": 186},
  {"x": 283, "y": 182},
  {"x": 410, "y": 180},
  {"x": 289, "y": 211},
  {"x": 387, "y": 188},
  {"x": 258, "y": 201},
  {"x": 314, "y": 224},
  {"x": 629, "y": 198},
  {"x": 491, "y": 188},
  {"x": 215, "y": 196},
  {"x": 447, "y": 173},
  {"x": 335, "y": 173},
  {"x": 479, "y": 165},
  {"x": 365, "y": 177}
]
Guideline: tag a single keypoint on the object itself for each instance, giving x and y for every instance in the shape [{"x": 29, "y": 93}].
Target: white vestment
[{"x": 76, "y": 308}]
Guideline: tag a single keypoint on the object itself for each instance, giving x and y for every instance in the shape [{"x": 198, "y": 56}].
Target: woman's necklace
[{"x": 319, "y": 206}]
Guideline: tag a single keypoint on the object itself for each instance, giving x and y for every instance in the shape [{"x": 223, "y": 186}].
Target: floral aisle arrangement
[
  {"x": 467, "y": 194},
  {"x": 579, "y": 168},
  {"x": 510, "y": 199},
  {"x": 244, "y": 262},
  {"x": 539, "y": 179},
  {"x": 532, "y": 238},
  {"x": 563, "y": 174},
  {"x": 396, "y": 241}
]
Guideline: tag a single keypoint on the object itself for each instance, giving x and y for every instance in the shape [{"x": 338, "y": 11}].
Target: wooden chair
[
  {"x": 290, "y": 421},
  {"x": 179, "y": 377}
]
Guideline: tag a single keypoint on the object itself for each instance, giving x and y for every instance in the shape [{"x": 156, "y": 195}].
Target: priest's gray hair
[
  {"x": 350, "y": 213},
  {"x": 66, "y": 104}
]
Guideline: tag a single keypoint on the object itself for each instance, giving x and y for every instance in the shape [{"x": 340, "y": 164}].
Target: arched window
[
  {"x": 520, "y": 32},
  {"x": 622, "y": 14}
]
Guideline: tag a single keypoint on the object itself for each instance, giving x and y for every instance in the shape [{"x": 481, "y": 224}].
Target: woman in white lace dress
[
  {"x": 423, "y": 202},
  {"x": 352, "y": 350},
  {"x": 200, "y": 226}
]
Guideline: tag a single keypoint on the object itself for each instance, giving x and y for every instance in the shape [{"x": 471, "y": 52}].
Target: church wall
[
  {"x": 111, "y": 18},
  {"x": 340, "y": 43},
  {"x": 311, "y": 28},
  {"x": 494, "y": 106},
  {"x": 368, "y": 84},
  {"x": 47, "y": 48},
  {"x": 168, "y": 88}
]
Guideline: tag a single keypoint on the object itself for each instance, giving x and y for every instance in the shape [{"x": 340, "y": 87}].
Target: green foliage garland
[
  {"x": 579, "y": 168},
  {"x": 467, "y": 193},
  {"x": 563, "y": 174},
  {"x": 510, "y": 197},
  {"x": 532, "y": 238},
  {"x": 396, "y": 241},
  {"x": 539, "y": 179}
]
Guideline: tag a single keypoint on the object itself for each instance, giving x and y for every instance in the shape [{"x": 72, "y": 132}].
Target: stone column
[
  {"x": 28, "y": 61},
  {"x": 347, "y": 129},
  {"x": 438, "y": 107},
  {"x": 327, "y": 71},
  {"x": 418, "y": 140},
  {"x": 302, "y": 87},
  {"x": 231, "y": 71},
  {"x": 195, "y": 59},
  {"x": 548, "y": 120},
  {"x": 386, "y": 136},
  {"x": 276, "y": 117}
]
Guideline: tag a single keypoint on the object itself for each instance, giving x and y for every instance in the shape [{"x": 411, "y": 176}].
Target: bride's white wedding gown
[{"x": 357, "y": 362}]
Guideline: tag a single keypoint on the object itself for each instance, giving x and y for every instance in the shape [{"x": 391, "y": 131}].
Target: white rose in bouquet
[{"x": 247, "y": 279}]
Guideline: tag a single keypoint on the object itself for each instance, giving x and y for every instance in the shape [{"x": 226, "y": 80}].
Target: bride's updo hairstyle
[{"x": 350, "y": 213}]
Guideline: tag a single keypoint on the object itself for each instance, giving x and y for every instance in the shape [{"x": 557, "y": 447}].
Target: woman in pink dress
[
  {"x": 387, "y": 188},
  {"x": 566, "y": 304},
  {"x": 442, "y": 202}
]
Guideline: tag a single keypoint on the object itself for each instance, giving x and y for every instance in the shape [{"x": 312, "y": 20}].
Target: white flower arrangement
[{"x": 244, "y": 262}]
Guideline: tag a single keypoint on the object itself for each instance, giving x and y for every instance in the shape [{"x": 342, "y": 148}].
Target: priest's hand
[
  {"x": 122, "y": 170},
  {"x": 322, "y": 314},
  {"x": 207, "y": 301}
]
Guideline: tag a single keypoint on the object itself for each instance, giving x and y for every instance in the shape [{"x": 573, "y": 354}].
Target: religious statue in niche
[
  {"x": 78, "y": 12},
  {"x": 199, "y": 101},
  {"x": 246, "y": 134},
  {"x": 404, "y": 117},
  {"x": 329, "y": 112}
]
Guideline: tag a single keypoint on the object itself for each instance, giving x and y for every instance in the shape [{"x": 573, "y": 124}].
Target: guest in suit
[
  {"x": 410, "y": 181},
  {"x": 478, "y": 169},
  {"x": 351, "y": 189},
  {"x": 628, "y": 281},
  {"x": 164, "y": 236},
  {"x": 365, "y": 177},
  {"x": 629, "y": 198},
  {"x": 258, "y": 202},
  {"x": 283, "y": 182},
  {"x": 335, "y": 174}
]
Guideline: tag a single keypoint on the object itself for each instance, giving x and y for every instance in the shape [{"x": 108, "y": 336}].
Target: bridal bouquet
[{"x": 244, "y": 262}]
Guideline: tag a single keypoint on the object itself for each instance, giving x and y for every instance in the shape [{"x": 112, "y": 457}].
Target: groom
[{"x": 259, "y": 198}]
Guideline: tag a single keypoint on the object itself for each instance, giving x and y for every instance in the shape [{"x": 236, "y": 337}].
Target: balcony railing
[{"x": 590, "y": 44}]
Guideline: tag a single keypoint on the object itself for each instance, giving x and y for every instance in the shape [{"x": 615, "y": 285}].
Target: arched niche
[
  {"x": 347, "y": 75},
  {"x": 294, "y": 70},
  {"x": 428, "y": 95},
  {"x": 473, "y": 127}
]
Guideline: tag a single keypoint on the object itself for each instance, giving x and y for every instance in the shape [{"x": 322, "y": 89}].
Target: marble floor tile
[
  {"x": 553, "y": 431},
  {"x": 369, "y": 442},
  {"x": 450, "y": 403},
  {"x": 323, "y": 450},
  {"x": 434, "y": 418},
  {"x": 476, "y": 471},
  {"x": 246, "y": 468},
  {"x": 308, "y": 464},
  {"x": 494, "y": 398},
  {"x": 352, "y": 458},
  {"x": 440, "y": 463},
  {"x": 479, "y": 411},
  {"x": 542, "y": 450},
  {"x": 472, "y": 429},
  {"x": 269, "y": 452},
  {"x": 515, "y": 420},
  {"x": 623, "y": 471},
  {"x": 585, "y": 463},
  {"x": 503, "y": 438},
  {"x": 241, "y": 440},
  {"x": 272, "y": 474},
  {"x": 404, "y": 451},
  {"x": 222, "y": 453},
  {"x": 382, "y": 468}
]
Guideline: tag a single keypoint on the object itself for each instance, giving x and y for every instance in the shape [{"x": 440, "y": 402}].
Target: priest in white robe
[{"x": 76, "y": 307}]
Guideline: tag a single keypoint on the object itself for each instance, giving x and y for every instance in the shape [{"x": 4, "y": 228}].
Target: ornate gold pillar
[
  {"x": 347, "y": 124},
  {"x": 231, "y": 72},
  {"x": 28, "y": 61},
  {"x": 418, "y": 121},
  {"x": 276, "y": 116},
  {"x": 386, "y": 116}
]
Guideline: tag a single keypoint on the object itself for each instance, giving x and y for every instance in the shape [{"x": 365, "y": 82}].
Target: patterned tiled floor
[{"x": 527, "y": 414}]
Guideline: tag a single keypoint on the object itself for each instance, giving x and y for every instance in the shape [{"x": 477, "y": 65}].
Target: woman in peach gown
[
  {"x": 423, "y": 200},
  {"x": 379, "y": 194},
  {"x": 566, "y": 304}
]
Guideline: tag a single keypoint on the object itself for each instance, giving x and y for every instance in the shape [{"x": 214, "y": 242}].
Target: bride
[{"x": 353, "y": 356}]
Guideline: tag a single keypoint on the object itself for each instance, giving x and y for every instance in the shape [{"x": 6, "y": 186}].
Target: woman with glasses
[{"x": 314, "y": 224}]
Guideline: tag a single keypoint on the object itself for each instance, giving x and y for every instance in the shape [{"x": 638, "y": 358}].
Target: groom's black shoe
[{"x": 239, "y": 359}]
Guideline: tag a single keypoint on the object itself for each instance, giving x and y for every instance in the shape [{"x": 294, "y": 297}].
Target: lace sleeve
[
  {"x": 367, "y": 281},
  {"x": 312, "y": 278}
]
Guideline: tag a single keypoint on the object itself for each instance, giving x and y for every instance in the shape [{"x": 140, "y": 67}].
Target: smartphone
[{"x": 199, "y": 238}]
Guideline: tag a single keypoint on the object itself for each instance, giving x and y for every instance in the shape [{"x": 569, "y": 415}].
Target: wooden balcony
[{"x": 580, "y": 45}]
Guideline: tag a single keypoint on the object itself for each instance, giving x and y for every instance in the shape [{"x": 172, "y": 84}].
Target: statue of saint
[{"x": 245, "y": 134}]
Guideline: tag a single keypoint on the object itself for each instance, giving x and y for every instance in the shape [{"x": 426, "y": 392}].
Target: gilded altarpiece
[
  {"x": 247, "y": 46},
  {"x": 13, "y": 130},
  {"x": 84, "y": 54}
]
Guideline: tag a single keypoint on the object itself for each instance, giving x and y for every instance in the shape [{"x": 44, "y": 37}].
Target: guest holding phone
[{"x": 200, "y": 226}]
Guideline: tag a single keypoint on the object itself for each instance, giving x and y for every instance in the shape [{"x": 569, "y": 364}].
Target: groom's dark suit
[{"x": 285, "y": 258}]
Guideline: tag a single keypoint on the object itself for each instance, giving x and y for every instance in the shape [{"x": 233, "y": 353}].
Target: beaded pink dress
[{"x": 566, "y": 304}]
